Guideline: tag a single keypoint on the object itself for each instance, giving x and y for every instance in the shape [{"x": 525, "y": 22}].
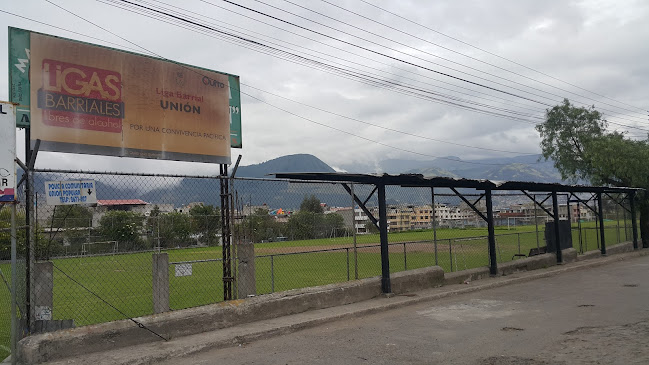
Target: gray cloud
[{"x": 598, "y": 45}]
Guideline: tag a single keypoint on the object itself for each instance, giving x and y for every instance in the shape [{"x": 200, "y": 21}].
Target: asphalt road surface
[{"x": 597, "y": 315}]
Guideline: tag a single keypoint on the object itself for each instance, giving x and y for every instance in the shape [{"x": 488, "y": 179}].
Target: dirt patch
[
  {"x": 513, "y": 360},
  {"x": 425, "y": 247},
  {"x": 623, "y": 344}
]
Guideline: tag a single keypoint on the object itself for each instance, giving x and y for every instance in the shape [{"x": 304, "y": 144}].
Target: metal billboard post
[
  {"x": 8, "y": 195},
  {"x": 225, "y": 233},
  {"x": 14, "y": 287}
]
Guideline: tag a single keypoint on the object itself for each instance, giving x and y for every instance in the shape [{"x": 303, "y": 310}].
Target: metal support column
[
  {"x": 557, "y": 233},
  {"x": 634, "y": 224},
  {"x": 383, "y": 230},
  {"x": 600, "y": 213},
  {"x": 493, "y": 263},
  {"x": 354, "y": 231},
  {"x": 225, "y": 233}
]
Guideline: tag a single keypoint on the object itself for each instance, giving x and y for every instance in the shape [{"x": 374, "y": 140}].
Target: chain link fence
[
  {"x": 7, "y": 272},
  {"x": 153, "y": 243}
]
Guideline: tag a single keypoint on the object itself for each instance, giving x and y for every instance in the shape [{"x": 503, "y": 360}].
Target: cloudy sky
[{"x": 358, "y": 81}]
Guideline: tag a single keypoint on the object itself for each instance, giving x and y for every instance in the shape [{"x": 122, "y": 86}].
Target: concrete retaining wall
[
  {"x": 465, "y": 276},
  {"x": 619, "y": 248},
  {"x": 527, "y": 264},
  {"x": 610, "y": 250},
  {"x": 416, "y": 280},
  {"x": 114, "y": 335},
  {"x": 589, "y": 255}
]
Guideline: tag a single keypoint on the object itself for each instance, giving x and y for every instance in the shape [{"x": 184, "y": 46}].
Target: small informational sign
[
  {"x": 7, "y": 152},
  {"x": 184, "y": 270},
  {"x": 43, "y": 313},
  {"x": 70, "y": 192}
]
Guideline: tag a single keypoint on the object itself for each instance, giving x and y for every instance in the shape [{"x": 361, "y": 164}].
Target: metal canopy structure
[{"x": 487, "y": 186}]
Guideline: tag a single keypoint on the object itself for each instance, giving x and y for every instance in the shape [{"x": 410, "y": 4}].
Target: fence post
[
  {"x": 432, "y": 193},
  {"x": 272, "y": 274},
  {"x": 617, "y": 219},
  {"x": 634, "y": 224},
  {"x": 246, "y": 279},
  {"x": 450, "y": 254},
  {"x": 354, "y": 231},
  {"x": 626, "y": 230},
  {"x": 536, "y": 224},
  {"x": 160, "y": 282},
  {"x": 581, "y": 247},
  {"x": 347, "y": 249},
  {"x": 405, "y": 260},
  {"x": 557, "y": 233}
]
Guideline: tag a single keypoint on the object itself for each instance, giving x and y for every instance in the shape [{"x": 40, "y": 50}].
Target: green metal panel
[
  {"x": 19, "y": 74},
  {"x": 235, "y": 112}
]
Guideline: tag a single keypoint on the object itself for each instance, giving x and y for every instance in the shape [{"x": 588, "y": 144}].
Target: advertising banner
[
  {"x": 90, "y": 99},
  {"x": 7, "y": 152}
]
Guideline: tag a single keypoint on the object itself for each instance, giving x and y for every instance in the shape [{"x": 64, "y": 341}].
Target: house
[{"x": 129, "y": 205}]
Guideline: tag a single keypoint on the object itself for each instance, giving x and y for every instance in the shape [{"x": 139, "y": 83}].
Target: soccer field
[{"x": 100, "y": 289}]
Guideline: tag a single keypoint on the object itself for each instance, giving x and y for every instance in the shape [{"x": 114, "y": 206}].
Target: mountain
[
  {"x": 518, "y": 168},
  {"x": 290, "y": 163},
  {"x": 276, "y": 194},
  {"x": 432, "y": 172}
]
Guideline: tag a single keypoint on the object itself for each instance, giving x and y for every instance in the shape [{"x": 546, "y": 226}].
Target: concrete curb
[{"x": 151, "y": 353}]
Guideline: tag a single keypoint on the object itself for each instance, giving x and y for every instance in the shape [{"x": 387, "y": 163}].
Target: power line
[
  {"x": 428, "y": 53},
  {"x": 380, "y": 53},
  {"x": 262, "y": 101},
  {"x": 407, "y": 62},
  {"x": 396, "y": 87},
  {"x": 347, "y": 60},
  {"x": 496, "y": 55},
  {"x": 448, "y": 49}
]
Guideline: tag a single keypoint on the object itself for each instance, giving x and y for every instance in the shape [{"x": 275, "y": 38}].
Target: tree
[
  {"x": 311, "y": 204},
  {"x": 333, "y": 225},
  {"x": 69, "y": 223},
  {"x": 206, "y": 222},
  {"x": 577, "y": 141},
  {"x": 175, "y": 229},
  {"x": 71, "y": 216},
  {"x": 260, "y": 226},
  {"x": 122, "y": 226},
  {"x": 41, "y": 251}
]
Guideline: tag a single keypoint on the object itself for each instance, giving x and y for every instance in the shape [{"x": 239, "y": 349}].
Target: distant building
[
  {"x": 361, "y": 221},
  {"x": 422, "y": 217},
  {"x": 128, "y": 205}
]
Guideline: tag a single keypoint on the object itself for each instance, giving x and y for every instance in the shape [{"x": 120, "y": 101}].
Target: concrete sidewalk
[{"x": 151, "y": 353}]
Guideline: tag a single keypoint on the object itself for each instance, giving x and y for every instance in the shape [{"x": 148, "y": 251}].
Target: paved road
[{"x": 593, "y": 316}]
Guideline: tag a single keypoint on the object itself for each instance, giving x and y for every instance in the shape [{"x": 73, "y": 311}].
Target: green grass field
[{"x": 125, "y": 281}]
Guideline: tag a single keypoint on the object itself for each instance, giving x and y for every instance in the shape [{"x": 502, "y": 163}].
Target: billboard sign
[
  {"x": 7, "y": 152},
  {"x": 84, "y": 98},
  {"x": 70, "y": 192}
]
